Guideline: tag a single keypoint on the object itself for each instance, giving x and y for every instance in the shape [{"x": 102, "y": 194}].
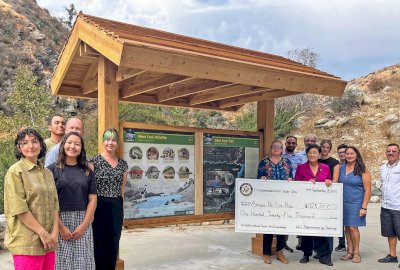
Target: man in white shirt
[{"x": 390, "y": 203}]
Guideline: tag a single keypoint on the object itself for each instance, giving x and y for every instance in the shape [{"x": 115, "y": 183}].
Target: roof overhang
[{"x": 159, "y": 68}]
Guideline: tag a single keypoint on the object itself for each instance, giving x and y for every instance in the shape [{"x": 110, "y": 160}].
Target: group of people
[
  {"x": 68, "y": 212},
  {"x": 315, "y": 164}
]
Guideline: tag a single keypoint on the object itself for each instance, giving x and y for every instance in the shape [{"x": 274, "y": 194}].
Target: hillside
[
  {"x": 367, "y": 116},
  {"x": 28, "y": 36}
]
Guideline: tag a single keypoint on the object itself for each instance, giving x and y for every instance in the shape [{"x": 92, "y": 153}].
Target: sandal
[
  {"x": 347, "y": 257},
  {"x": 356, "y": 258}
]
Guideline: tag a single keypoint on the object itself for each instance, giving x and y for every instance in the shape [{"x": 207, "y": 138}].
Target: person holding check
[
  {"x": 274, "y": 167},
  {"x": 315, "y": 171}
]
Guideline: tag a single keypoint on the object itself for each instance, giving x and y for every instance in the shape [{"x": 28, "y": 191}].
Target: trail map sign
[
  {"x": 225, "y": 158},
  {"x": 161, "y": 173}
]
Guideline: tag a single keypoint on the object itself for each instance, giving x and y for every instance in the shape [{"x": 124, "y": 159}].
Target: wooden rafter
[
  {"x": 90, "y": 81},
  {"x": 87, "y": 51},
  {"x": 266, "y": 95},
  {"x": 152, "y": 100},
  {"x": 127, "y": 73},
  {"x": 152, "y": 84},
  {"x": 224, "y": 93},
  {"x": 177, "y": 91}
]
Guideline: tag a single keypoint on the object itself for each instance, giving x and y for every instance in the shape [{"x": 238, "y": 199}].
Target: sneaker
[
  {"x": 287, "y": 248},
  {"x": 388, "y": 259},
  {"x": 340, "y": 248}
]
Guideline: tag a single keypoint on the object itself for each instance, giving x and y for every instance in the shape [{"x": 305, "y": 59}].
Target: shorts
[{"x": 390, "y": 223}]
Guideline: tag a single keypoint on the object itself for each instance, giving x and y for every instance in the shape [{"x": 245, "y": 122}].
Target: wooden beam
[
  {"x": 163, "y": 221},
  {"x": 126, "y": 73},
  {"x": 152, "y": 100},
  {"x": 64, "y": 62},
  {"x": 198, "y": 173},
  {"x": 177, "y": 91},
  {"x": 106, "y": 44},
  {"x": 87, "y": 51},
  {"x": 107, "y": 98},
  {"x": 224, "y": 93},
  {"x": 266, "y": 95},
  {"x": 90, "y": 82},
  {"x": 234, "y": 71},
  {"x": 74, "y": 91},
  {"x": 152, "y": 84}
]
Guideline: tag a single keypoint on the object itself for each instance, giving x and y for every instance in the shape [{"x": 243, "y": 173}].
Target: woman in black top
[
  {"x": 111, "y": 173},
  {"x": 76, "y": 188}
]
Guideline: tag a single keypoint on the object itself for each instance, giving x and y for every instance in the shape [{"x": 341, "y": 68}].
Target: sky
[{"x": 352, "y": 37}]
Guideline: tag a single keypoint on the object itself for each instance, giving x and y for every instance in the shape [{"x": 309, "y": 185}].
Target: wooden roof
[{"x": 160, "y": 68}]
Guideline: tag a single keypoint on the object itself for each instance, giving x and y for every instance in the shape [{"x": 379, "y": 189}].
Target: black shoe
[
  {"x": 316, "y": 256},
  {"x": 328, "y": 263},
  {"x": 305, "y": 259},
  {"x": 340, "y": 248},
  {"x": 389, "y": 259},
  {"x": 298, "y": 246},
  {"x": 287, "y": 248}
]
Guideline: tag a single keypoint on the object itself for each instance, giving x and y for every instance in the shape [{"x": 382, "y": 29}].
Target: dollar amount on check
[{"x": 290, "y": 208}]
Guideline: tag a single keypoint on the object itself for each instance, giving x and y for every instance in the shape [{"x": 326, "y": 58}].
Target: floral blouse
[
  {"x": 109, "y": 179},
  {"x": 275, "y": 171}
]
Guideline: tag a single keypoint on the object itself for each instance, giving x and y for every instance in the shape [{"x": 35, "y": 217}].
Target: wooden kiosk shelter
[{"x": 117, "y": 62}]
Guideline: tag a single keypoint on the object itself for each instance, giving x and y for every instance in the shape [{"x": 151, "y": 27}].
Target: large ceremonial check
[{"x": 289, "y": 208}]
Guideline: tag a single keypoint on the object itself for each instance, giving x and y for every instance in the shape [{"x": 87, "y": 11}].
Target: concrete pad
[{"x": 219, "y": 247}]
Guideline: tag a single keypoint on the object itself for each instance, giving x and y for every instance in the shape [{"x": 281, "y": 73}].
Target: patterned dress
[{"x": 109, "y": 215}]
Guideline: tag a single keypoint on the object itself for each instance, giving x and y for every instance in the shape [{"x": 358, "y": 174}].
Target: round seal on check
[{"x": 246, "y": 189}]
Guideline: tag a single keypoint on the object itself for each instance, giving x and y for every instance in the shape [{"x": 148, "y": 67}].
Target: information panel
[
  {"x": 161, "y": 173},
  {"x": 289, "y": 208},
  {"x": 225, "y": 158}
]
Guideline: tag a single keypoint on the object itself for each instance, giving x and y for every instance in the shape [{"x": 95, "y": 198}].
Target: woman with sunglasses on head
[
  {"x": 274, "y": 167},
  {"x": 30, "y": 205},
  {"x": 356, "y": 181},
  {"x": 111, "y": 174},
  {"x": 76, "y": 187}
]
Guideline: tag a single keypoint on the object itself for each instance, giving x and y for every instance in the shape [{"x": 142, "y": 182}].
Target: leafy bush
[
  {"x": 284, "y": 118},
  {"x": 6, "y": 160}
]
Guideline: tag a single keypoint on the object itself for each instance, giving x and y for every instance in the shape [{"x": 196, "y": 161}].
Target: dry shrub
[{"x": 376, "y": 85}]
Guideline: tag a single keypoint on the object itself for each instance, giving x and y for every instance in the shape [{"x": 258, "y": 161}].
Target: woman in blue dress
[{"x": 356, "y": 181}]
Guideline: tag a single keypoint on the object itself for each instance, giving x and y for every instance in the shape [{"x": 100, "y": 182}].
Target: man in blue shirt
[{"x": 295, "y": 158}]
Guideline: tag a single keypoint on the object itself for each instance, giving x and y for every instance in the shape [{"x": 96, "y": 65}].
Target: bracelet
[{"x": 364, "y": 208}]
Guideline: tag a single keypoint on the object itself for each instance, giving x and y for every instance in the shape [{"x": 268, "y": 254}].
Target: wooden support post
[
  {"x": 198, "y": 174},
  {"x": 107, "y": 107},
  {"x": 265, "y": 122},
  {"x": 107, "y": 98}
]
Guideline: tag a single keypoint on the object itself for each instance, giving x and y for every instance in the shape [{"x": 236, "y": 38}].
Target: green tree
[
  {"x": 30, "y": 102},
  {"x": 6, "y": 160},
  {"x": 71, "y": 14}
]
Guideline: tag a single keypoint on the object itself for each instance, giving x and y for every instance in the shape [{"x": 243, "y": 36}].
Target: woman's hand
[
  {"x": 65, "y": 233},
  {"x": 363, "y": 212},
  {"x": 47, "y": 240},
  {"x": 312, "y": 180},
  {"x": 79, "y": 231},
  {"x": 54, "y": 237},
  {"x": 289, "y": 179},
  {"x": 328, "y": 182},
  {"x": 263, "y": 178}
]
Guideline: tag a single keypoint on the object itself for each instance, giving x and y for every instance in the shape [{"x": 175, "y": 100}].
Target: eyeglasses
[
  {"x": 276, "y": 147},
  {"x": 392, "y": 151}
]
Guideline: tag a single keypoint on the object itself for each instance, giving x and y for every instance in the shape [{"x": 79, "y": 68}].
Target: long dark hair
[
  {"x": 82, "y": 162},
  {"x": 31, "y": 133},
  {"x": 359, "y": 167}
]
